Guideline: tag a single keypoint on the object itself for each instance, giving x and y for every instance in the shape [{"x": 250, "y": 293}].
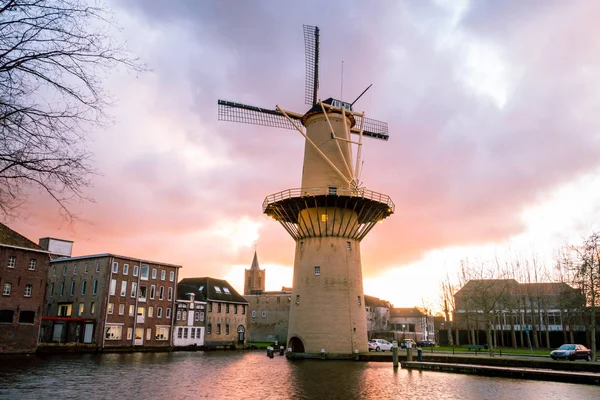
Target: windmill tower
[{"x": 327, "y": 216}]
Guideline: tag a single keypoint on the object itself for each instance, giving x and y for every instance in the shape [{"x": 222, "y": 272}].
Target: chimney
[{"x": 57, "y": 247}]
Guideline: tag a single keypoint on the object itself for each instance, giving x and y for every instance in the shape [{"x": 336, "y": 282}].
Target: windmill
[{"x": 327, "y": 216}]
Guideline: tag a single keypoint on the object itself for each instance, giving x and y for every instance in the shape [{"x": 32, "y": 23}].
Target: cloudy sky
[{"x": 492, "y": 110}]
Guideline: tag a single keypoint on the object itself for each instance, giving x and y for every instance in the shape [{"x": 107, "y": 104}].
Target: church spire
[{"x": 255, "y": 262}]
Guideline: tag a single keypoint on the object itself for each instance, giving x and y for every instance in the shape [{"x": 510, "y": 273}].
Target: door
[
  {"x": 241, "y": 334},
  {"x": 88, "y": 332},
  {"x": 57, "y": 333}
]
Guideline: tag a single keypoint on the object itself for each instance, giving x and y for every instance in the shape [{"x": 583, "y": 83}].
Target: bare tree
[{"x": 54, "y": 55}]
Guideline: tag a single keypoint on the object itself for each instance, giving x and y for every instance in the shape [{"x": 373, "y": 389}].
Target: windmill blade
[
  {"x": 311, "y": 49},
  {"x": 371, "y": 127},
  {"x": 243, "y": 113}
]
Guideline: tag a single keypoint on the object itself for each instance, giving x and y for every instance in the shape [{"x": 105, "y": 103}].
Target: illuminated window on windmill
[{"x": 323, "y": 217}]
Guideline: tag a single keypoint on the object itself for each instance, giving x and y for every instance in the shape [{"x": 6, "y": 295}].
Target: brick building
[
  {"x": 110, "y": 301},
  {"x": 190, "y": 316},
  {"x": 23, "y": 274},
  {"x": 225, "y": 312}
]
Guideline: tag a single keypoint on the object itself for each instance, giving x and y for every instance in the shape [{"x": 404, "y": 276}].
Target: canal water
[{"x": 251, "y": 375}]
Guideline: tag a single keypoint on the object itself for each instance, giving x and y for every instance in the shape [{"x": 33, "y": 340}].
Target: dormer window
[
  {"x": 217, "y": 289},
  {"x": 226, "y": 290}
]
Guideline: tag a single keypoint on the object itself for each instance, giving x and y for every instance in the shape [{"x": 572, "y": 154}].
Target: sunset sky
[{"x": 493, "y": 116}]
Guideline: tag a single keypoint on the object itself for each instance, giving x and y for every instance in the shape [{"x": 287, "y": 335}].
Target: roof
[
  {"x": 101, "y": 255},
  {"x": 254, "y": 262},
  {"x": 512, "y": 287},
  {"x": 9, "y": 237},
  {"x": 371, "y": 301},
  {"x": 206, "y": 286},
  {"x": 406, "y": 312},
  {"x": 184, "y": 289}
]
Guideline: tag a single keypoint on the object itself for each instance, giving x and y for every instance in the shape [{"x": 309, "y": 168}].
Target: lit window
[
  {"x": 111, "y": 308},
  {"x": 323, "y": 217},
  {"x": 115, "y": 268},
  {"x": 32, "y": 264},
  {"x": 129, "y": 333},
  {"x": 162, "y": 333},
  {"x": 92, "y": 308},
  {"x": 317, "y": 270},
  {"x": 81, "y": 309},
  {"x": 150, "y": 312},
  {"x": 7, "y": 287},
  {"x": 149, "y": 334},
  {"x": 121, "y": 309},
  {"x": 113, "y": 332},
  {"x": 131, "y": 310},
  {"x": 12, "y": 260}
]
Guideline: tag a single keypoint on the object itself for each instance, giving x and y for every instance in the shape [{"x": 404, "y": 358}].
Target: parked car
[
  {"x": 425, "y": 343},
  {"x": 571, "y": 352},
  {"x": 379, "y": 345},
  {"x": 405, "y": 342}
]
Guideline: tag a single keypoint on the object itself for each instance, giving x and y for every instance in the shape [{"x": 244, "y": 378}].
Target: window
[
  {"x": 97, "y": 266},
  {"x": 113, "y": 287},
  {"x": 167, "y": 313},
  {"x": 6, "y": 316},
  {"x": 72, "y": 292},
  {"x": 133, "y": 289},
  {"x": 209, "y": 307},
  {"x": 92, "y": 308},
  {"x": 32, "y": 263},
  {"x": 150, "y": 312},
  {"x": 179, "y": 332},
  {"x": 27, "y": 317},
  {"x": 159, "y": 312},
  {"x": 227, "y": 329},
  {"x": 123, "y": 288},
  {"x": 52, "y": 289},
  {"x": 53, "y": 271},
  {"x": 12, "y": 260},
  {"x": 332, "y": 190},
  {"x": 64, "y": 310},
  {"x": 121, "y": 309},
  {"x": 348, "y": 245},
  {"x": 185, "y": 333},
  {"x": 253, "y": 313},
  {"x": 75, "y": 269},
  {"x": 184, "y": 315},
  {"x": 85, "y": 268},
  {"x": 161, "y": 293},
  {"x": 178, "y": 317},
  {"x": 163, "y": 275},
  {"x": 218, "y": 289},
  {"x": 115, "y": 268},
  {"x": 152, "y": 291},
  {"x": 145, "y": 272},
  {"x": 209, "y": 329},
  {"x": 149, "y": 334},
  {"x": 218, "y": 307},
  {"x": 226, "y": 308},
  {"x": 62, "y": 288},
  {"x": 323, "y": 217},
  {"x": 358, "y": 300},
  {"x": 264, "y": 314},
  {"x": 111, "y": 308},
  {"x": 80, "y": 309},
  {"x": 154, "y": 273},
  {"x": 143, "y": 291},
  {"x": 136, "y": 270},
  {"x": 201, "y": 316},
  {"x": 226, "y": 290},
  {"x": 131, "y": 310},
  {"x": 95, "y": 287},
  {"x": 235, "y": 308},
  {"x": 83, "y": 287},
  {"x": 170, "y": 294},
  {"x": 129, "y": 333},
  {"x": 172, "y": 276},
  {"x": 218, "y": 329},
  {"x": 113, "y": 332},
  {"x": 65, "y": 270},
  {"x": 125, "y": 269},
  {"x": 243, "y": 310},
  {"x": 297, "y": 299},
  {"x": 141, "y": 311},
  {"x": 7, "y": 287},
  {"x": 317, "y": 270},
  {"x": 162, "y": 333},
  {"x": 197, "y": 316},
  {"x": 192, "y": 333}
]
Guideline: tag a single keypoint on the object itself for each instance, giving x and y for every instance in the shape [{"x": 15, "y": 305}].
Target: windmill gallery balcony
[{"x": 328, "y": 211}]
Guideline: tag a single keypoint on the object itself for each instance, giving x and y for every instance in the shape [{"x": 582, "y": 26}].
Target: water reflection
[{"x": 250, "y": 375}]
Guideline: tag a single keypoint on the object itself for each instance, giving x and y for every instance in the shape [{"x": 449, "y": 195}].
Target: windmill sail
[
  {"x": 311, "y": 48},
  {"x": 243, "y": 113},
  {"x": 371, "y": 127}
]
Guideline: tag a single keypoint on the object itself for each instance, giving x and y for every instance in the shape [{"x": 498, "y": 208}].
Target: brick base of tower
[{"x": 327, "y": 310}]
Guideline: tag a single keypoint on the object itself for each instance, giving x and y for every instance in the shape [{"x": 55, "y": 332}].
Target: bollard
[
  {"x": 270, "y": 352},
  {"x": 356, "y": 354},
  {"x": 395, "y": 353},
  {"x": 281, "y": 350},
  {"x": 419, "y": 354},
  {"x": 322, "y": 354}
]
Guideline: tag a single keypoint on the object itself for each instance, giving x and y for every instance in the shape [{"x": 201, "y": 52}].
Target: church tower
[{"x": 254, "y": 278}]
